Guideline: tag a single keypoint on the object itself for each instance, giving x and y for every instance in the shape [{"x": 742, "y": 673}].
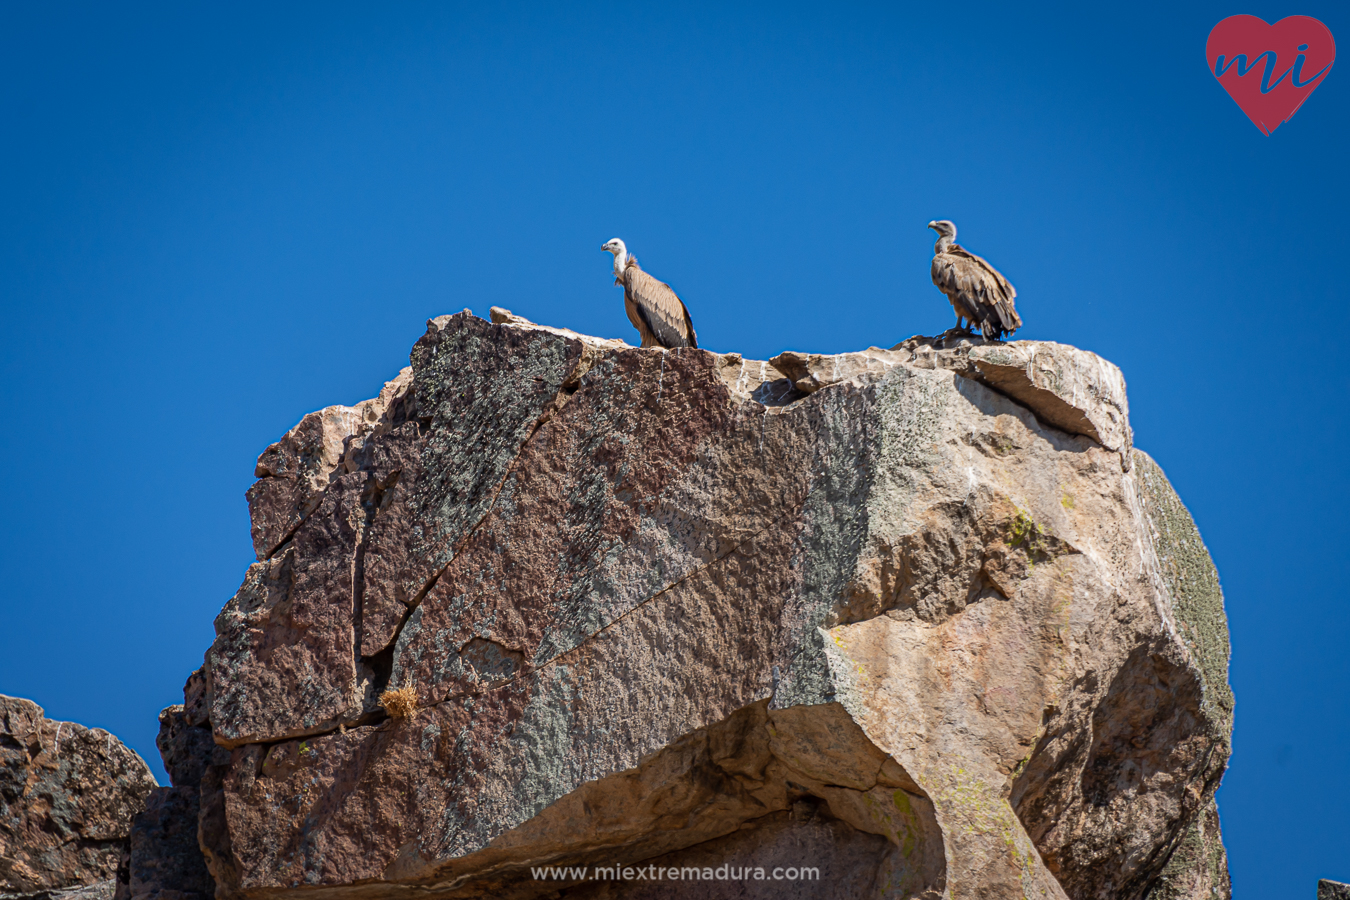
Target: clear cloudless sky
[{"x": 217, "y": 217}]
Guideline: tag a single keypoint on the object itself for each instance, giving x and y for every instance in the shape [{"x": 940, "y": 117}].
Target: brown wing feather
[
  {"x": 948, "y": 278},
  {"x": 988, "y": 285},
  {"x": 655, "y": 310}
]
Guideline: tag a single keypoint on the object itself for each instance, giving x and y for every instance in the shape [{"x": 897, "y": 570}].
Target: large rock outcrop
[
  {"x": 921, "y": 621},
  {"x": 67, "y": 798}
]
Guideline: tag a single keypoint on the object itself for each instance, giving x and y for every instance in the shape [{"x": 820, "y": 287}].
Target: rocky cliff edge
[{"x": 920, "y": 619}]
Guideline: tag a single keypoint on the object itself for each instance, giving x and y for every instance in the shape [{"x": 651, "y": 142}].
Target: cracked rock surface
[
  {"x": 67, "y": 798},
  {"x": 921, "y": 619}
]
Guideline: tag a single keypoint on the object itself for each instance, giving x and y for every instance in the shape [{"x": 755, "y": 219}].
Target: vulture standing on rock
[
  {"x": 658, "y": 315},
  {"x": 977, "y": 291}
]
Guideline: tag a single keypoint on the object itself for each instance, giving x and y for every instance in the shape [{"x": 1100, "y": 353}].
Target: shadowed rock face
[
  {"x": 919, "y": 618},
  {"x": 67, "y": 798},
  {"x": 164, "y": 860}
]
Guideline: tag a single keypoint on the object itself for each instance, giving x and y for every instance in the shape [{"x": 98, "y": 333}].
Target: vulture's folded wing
[
  {"x": 952, "y": 276},
  {"x": 663, "y": 313},
  {"x": 989, "y": 285}
]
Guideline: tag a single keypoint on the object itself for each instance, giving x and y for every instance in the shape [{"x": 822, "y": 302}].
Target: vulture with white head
[
  {"x": 977, "y": 291},
  {"x": 659, "y": 316}
]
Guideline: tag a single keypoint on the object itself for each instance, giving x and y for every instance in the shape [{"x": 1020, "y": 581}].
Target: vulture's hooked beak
[{"x": 933, "y": 225}]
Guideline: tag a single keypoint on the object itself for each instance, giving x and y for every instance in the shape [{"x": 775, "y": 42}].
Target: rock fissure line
[
  {"x": 458, "y": 545},
  {"x": 553, "y": 407},
  {"x": 359, "y": 561},
  {"x": 280, "y": 545},
  {"x": 528, "y": 670},
  {"x": 656, "y": 596},
  {"x": 1047, "y": 425}
]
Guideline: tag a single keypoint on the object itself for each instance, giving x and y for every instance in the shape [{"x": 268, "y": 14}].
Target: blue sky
[{"x": 218, "y": 217}]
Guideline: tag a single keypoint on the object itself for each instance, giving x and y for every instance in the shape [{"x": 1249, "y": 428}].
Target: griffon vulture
[
  {"x": 977, "y": 291},
  {"x": 659, "y": 316}
]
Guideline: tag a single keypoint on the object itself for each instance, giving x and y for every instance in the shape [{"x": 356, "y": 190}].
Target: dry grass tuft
[{"x": 400, "y": 703}]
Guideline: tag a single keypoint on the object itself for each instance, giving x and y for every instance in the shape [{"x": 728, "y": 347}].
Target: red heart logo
[{"x": 1270, "y": 69}]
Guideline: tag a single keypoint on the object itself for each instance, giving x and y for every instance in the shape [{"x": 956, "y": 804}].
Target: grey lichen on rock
[
  {"x": 1199, "y": 864},
  {"x": 921, "y": 610},
  {"x": 1192, "y": 582}
]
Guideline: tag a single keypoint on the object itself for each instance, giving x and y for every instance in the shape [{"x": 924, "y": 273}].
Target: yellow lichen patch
[{"x": 1025, "y": 534}]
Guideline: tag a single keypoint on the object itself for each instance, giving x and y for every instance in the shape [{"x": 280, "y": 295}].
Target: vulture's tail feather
[{"x": 1006, "y": 316}]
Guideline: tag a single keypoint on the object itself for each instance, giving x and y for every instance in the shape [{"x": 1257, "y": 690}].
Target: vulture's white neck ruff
[{"x": 620, "y": 261}]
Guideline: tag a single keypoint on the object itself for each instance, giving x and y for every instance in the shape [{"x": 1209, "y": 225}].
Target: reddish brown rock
[
  {"x": 67, "y": 798},
  {"x": 164, "y": 860},
  {"x": 920, "y": 618},
  {"x": 294, "y": 472}
]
